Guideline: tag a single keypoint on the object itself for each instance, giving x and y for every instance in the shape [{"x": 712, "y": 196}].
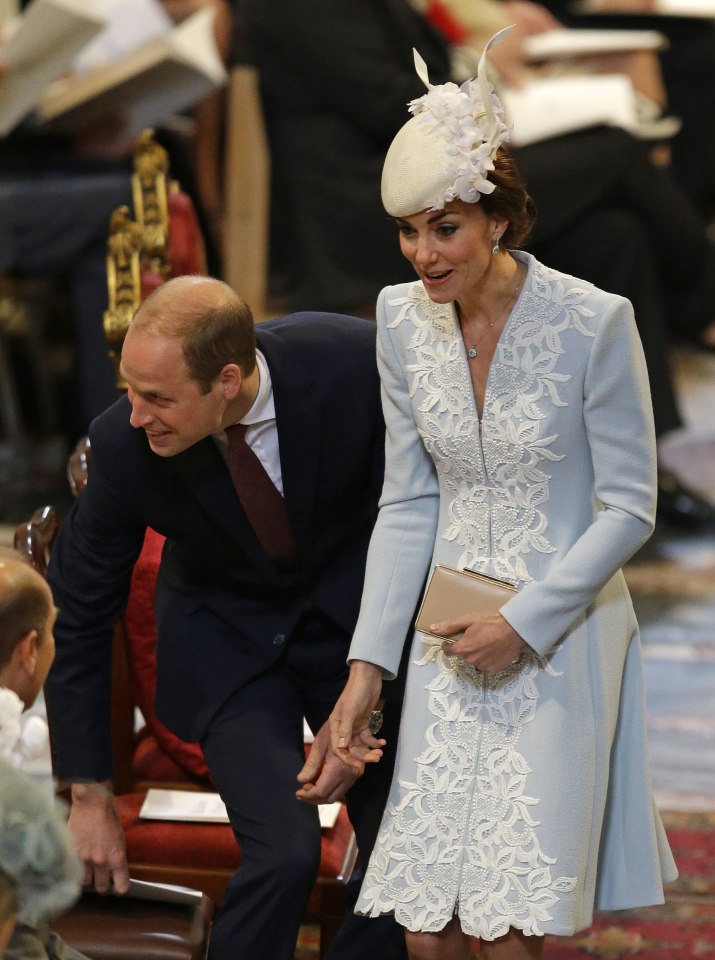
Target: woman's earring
[{"x": 495, "y": 248}]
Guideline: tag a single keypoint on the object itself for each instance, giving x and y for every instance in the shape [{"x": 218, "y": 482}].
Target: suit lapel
[{"x": 205, "y": 473}]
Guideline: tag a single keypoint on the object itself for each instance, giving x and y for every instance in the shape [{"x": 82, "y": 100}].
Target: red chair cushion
[
  {"x": 140, "y": 629},
  {"x": 187, "y": 253},
  {"x": 151, "y": 762},
  {"x": 169, "y": 843}
]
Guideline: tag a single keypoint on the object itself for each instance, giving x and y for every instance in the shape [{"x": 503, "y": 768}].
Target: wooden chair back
[
  {"x": 247, "y": 190},
  {"x": 34, "y": 538}
]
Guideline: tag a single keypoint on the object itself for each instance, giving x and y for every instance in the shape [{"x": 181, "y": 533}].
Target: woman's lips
[{"x": 434, "y": 279}]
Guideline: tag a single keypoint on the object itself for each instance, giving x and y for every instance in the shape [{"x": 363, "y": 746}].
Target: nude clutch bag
[{"x": 451, "y": 593}]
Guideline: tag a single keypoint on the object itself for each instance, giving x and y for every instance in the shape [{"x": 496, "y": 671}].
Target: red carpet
[{"x": 683, "y": 928}]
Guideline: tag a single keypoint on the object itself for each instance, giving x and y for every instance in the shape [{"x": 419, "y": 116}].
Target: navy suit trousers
[{"x": 254, "y": 750}]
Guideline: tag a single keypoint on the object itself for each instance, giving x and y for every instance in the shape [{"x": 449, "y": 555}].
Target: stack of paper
[
  {"x": 565, "y": 43},
  {"x": 144, "y": 87},
  {"x": 203, "y": 807},
  {"x": 42, "y": 45},
  {"x": 701, "y": 9},
  {"x": 152, "y": 69},
  {"x": 554, "y": 106}
]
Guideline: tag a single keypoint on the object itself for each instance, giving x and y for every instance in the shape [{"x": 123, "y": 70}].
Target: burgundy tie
[{"x": 261, "y": 500}]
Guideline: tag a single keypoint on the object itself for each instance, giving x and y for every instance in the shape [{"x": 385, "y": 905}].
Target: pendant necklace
[{"x": 472, "y": 350}]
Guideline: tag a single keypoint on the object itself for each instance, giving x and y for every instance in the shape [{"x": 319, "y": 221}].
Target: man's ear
[
  {"x": 26, "y": 652},
  {"x": 231, "y": 379}
]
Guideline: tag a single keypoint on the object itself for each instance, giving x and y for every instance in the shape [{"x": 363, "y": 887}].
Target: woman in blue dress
[{"x": 520, "y": 444}]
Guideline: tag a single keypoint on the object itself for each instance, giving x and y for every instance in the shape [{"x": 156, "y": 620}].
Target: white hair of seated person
[{"x": 39, "y": 870}]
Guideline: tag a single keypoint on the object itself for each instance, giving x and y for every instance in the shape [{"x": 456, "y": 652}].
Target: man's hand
[
  {"x": 104, "y": 137},
  {"x": 350, "y": 714},
  {"x": 489, "y": 642},
  {"x": 530, "y": 17},
  {"x": 99, "y": 838},
  {"x": 508, "y": 56},
  {"x": 324, "y": 778}
]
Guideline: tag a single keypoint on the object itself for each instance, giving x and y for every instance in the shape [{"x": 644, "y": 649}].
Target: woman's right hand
[{"x": 352, "y": 711}]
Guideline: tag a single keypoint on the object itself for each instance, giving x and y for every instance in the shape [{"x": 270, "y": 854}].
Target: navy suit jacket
[{"x": 224, "y": 610}]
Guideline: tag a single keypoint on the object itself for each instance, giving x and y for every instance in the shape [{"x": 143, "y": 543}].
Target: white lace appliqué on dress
[{"x": 463, "y": 837}]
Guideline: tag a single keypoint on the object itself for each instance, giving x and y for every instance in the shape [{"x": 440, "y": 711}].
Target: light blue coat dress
[{"x": 522, "y": 799}]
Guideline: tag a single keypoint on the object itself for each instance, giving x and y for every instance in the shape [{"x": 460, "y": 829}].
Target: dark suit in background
[
  {"x": 245, "y": 650},
  {"x": 335, "y": 81}
]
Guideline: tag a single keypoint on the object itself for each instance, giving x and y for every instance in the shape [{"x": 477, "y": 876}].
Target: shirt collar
[{"x": 264, "y": 408}]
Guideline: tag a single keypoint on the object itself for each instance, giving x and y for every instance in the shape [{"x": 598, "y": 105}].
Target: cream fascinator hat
[{"x": 447, "y": 149}]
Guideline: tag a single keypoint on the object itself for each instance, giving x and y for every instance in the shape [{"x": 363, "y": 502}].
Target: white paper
[
  {"x": 42, "y": 45},
  {"x": 564, "y": 43},
  {"x": 162, "y": 892},
  {"x": 328, "y": 813},
  {"x": 129, "y": 24},
  {"x": 686, "y": 8},
  {"x": 143, "y": 88},
  {"x": 703, "y": 9},
  {"x": 194, "y": 806},
  {"x": 189, "y": 805},
  {"x": 553, "y": 106}
]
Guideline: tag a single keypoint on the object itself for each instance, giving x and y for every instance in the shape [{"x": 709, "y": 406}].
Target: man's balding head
[
  {"x": 27, "y": 616},
  {"x": 25, "y": 603},
  {"x": 212, "y": 323}
]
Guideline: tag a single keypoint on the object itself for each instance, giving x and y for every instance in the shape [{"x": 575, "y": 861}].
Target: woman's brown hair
[{"x": 510, "y": 200}]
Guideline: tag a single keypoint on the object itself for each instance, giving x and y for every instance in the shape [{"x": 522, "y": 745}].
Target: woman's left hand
[{"x": 488, "y": 643}]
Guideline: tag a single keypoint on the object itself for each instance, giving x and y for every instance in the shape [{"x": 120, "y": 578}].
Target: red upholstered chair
[
  {"x": 203, "y": 856},
  {"x": 158, "y": 756},
  {"x": 165, "y": 240}
]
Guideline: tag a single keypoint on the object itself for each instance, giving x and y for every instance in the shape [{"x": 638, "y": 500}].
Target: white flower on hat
[{"x": 470, "y": 119}]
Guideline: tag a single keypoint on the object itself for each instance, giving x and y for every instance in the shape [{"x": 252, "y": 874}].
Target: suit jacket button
[{"x": 279, "y": 639}]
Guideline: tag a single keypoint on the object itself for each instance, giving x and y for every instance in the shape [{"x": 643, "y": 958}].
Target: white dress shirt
[{"x": 262, "y": 434}]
